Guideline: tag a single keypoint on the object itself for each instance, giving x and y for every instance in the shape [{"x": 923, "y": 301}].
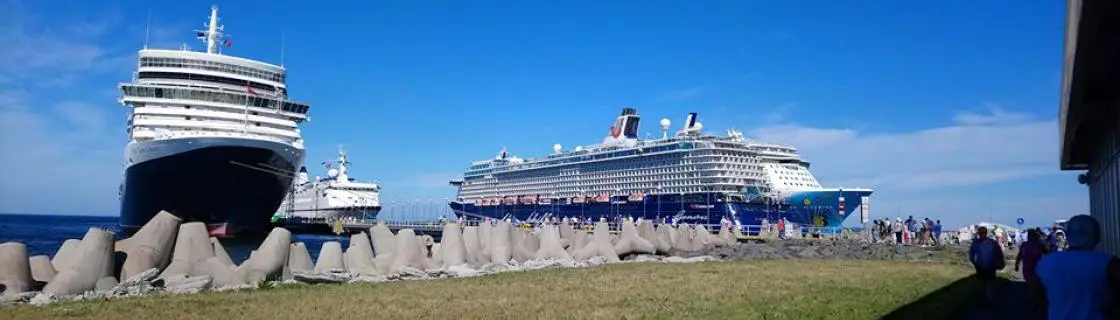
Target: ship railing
[{"x": 193, "y": 133}]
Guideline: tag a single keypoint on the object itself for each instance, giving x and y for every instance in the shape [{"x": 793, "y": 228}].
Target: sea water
[{"x": 44, "y": 234}]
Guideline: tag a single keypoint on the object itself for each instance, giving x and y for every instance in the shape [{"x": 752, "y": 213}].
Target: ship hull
[
  {"x": 822, "y": 210},
  {"x": 233, "y": 185}
]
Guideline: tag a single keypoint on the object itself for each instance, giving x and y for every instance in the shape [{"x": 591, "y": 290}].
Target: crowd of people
[
  {"x": 911, "y": 231},
  {"x": 1066, "y": 278}
]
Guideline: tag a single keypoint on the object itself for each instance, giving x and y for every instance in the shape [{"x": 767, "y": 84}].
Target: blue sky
[{"x": 948, "y": 109}]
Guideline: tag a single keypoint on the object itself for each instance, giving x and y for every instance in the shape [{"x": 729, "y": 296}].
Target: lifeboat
[{"x": 636, "y": 197}]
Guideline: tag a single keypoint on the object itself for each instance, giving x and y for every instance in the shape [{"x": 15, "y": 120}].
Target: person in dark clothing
[
  {"x": 937, "y": 233},
  {"x": 1079, "y": 283},
  {"x": 987, "y": 257}
]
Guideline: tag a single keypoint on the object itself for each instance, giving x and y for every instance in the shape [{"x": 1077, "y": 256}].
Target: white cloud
[
  {"x": 66, "y": 160},
  {"x": 682, "y": 94},
  {"x": 921, "y": 172},
  {"x": 979, "y": 148},
  {"x": 60, "y": 145},
  {"x": 996, "y": 116}
]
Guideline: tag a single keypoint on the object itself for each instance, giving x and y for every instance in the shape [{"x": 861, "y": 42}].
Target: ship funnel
[
  {"x": 690, "y": 121},
  {"x": 301, "y": 178},
  {"x": 626, "y": 125}
]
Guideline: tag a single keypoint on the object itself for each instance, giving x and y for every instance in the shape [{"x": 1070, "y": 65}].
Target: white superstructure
[
  {"x": 336, "y": 196},
  {"x": 689, "y": 162},
  {"x": 784, "y": 168},
  {"x": 177, "y": 95},
  {"x": 211, "y": 137}
]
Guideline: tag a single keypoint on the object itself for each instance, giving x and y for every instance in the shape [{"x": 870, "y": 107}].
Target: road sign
[{"x": 1020, "y": 221}]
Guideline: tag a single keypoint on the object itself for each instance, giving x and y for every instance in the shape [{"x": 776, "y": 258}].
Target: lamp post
[
  {"x": 644, "y": 204},
  {"x": 617, "y": 209}
]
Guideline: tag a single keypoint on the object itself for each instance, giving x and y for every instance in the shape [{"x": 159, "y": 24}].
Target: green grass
[{"x": 770, "y": 289}]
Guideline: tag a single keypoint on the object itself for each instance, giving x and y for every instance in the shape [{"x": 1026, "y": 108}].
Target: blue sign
[{"x": 1020, "y": 221}]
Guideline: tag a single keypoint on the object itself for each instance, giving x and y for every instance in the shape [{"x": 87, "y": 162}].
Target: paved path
[{"x": 1010, "y": 303}]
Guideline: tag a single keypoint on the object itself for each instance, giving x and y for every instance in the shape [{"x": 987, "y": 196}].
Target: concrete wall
[{"x": 1104, "y": 185}]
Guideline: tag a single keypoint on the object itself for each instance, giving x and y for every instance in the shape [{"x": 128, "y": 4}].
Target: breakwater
[{"x": 170, "y": 257}]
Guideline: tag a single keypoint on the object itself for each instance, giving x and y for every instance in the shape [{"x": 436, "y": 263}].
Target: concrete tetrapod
[
  {"x": 383, "y": 239},
  {"x": 727, "y": 237},
  {"x": 674, "y": 234},
  {"x": 706, "y": 238},
  {"x": 425, "y": 242},
  {"x": 270, "y": 259},
  {"x": 645, "y": 231},
  {"x": 436, "y": 258},
  {"x": 15, "y": 268},
  {"x": 221, "y": 274},
  {"x": 522, "y": 248},
  {"x": 532, "y": 240},
  {"x": 41, "y": 268},
  {"x": 485, "y": 235},
  {"x": 473, "y": 247},
  {"x": 330, "y": 257},
  {"x": 629, "y": 241},
  {"x": 220, "y": 252},
  {"x": 579, "y": 241},
  {"x": 567, "y": 234},
  {"x": 452, "y": 251},
  {"x": 664, "y": 234},
  {"x": 359, "y": 256},
  {"x": 220, "y": 268},
  {"x": 192, "y": 246},
  {"x": 686, "y": 239},
  {"x": 384, "y": 246},
  {"x": 738, "y": 233},
  {"x": 299, "y": 260},
  {"x": 501, "y": 250},
  {"x": 600, "y": 245},
  {"x": 408, "y": 253},
  {"x": 550, "y": 247},
  {"x": 67, "y": 253},
  {"x": 95, "y": 261},
  {"x": 150, "y": 247}
]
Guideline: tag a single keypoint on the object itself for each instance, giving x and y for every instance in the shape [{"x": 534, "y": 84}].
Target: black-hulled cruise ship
[{"x": 212, "y": 138}]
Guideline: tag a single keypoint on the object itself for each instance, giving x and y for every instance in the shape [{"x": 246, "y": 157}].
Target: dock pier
[{"x": 434, "y": 227}]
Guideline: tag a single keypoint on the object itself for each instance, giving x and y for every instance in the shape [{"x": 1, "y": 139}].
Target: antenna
[
  {"x": 212, "y": 31},
  {"x": 148, "y": 28},
  {"x": 283, "y": 37}
]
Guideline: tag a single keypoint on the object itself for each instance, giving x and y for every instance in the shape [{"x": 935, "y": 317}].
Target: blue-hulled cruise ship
[{"x": 688, "y": 177}]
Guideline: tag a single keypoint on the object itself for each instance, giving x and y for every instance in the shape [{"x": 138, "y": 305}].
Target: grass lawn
[{"x": 760, "y": 289}]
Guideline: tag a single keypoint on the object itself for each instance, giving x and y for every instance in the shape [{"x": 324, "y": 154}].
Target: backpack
[{"x": 989, "y": 254}]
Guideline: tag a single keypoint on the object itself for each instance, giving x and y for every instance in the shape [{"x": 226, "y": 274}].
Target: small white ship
[{"x": 336, "y": 197}]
